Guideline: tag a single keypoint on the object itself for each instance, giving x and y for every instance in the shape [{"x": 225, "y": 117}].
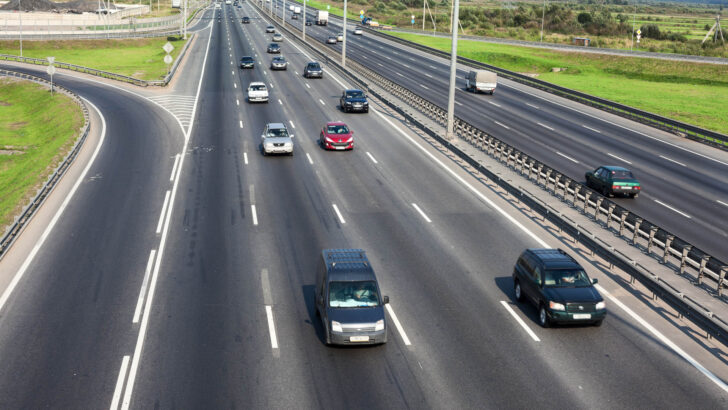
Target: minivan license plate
[
  {"x": 359, "y": 339},
  {"x": 582, "y": 316}
]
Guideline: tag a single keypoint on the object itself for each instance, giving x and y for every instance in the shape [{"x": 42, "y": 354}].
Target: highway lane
[
  {"x": 209, "y": 343},
  {"x": 684, "y": 192},
  {"x": 69, "y": 321}
]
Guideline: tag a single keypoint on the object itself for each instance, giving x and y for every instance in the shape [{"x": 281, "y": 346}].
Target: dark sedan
[
  {"x": 247, "y": 62},
  {"x": 313, "y": 69},
  {"x": 354, "y": 100},
  {"x": 613, "y": 180},
  {"x": 246, "y": 20},
  {"x": 274, "y": 48}
]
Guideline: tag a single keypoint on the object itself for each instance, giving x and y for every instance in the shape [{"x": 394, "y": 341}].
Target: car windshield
[
  {"x": 276, "y": 133},
  {"x": 337, "y": 129},
  {"x": 313, "y": 66},
  {"x": 353, "y": 294},
  {"x": 566, "y": 278},
  {"x": 279, "y": 59},
  {"x": 257, "y": 87},
  {"x": 247, "y": 59},
  {"x": 354, "y": 94},
  {"x": 622, "y": 175}
]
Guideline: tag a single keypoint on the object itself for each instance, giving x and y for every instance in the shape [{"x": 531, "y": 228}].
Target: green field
[
  {"x": 139, "y": 58},
  {"x": 689, "y": 92},
  {"x": 31, "y": 149}
]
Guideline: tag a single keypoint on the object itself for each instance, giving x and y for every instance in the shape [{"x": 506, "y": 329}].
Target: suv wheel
[
  {"x": 519, "y": 292},
  {"x": 543, "y": 317}
]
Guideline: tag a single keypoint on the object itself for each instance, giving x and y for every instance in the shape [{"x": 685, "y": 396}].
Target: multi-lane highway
[
  {"x": 685, "y": 184},
  {"x": 186, "y": 281}
]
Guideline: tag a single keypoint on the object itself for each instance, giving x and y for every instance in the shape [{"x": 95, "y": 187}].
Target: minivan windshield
[
  {"x": 353, "y": 294},
  {"x": 565, "y": 278}
]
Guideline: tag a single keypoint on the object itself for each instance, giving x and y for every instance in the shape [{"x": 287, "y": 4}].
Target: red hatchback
[{"x": 336, "y": 135}]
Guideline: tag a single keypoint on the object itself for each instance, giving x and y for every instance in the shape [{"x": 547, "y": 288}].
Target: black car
[
  {"x": 274, "y": 48},
  {"x": 558, "y": 286},
  {"x": 247, "y": 62},
  {"x": 354, "y": 100},
  {"x": 348, "y": 299},
  {"x": 309, "y": 22},
  {"x": 313, "y": 69},
  {"x": 246, "y": 20}
]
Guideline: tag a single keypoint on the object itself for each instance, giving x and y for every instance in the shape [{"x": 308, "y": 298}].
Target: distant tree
[{"x": 584, "y": 18}]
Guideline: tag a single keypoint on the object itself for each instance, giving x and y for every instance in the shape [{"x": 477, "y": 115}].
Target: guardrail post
[
  {"x": 701, "y": 272},
  {"x": 622, "y": 220},
  {"x": 684, "y": 260},
  {"x": 587, "y": 196},
  {"x": 609, "y": 213},
  {"x": 650, "y": 241},
  {"x": 597, "y": 207},
  {"x": 668, "y": 243},
  {"x": 567, "y": 185},
  {"x": 636, "y": 233},
  {"x": 723, "y": 271}
]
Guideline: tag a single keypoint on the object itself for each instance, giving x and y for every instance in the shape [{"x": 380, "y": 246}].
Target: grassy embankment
[
  {"x": 36, "y": 132},
  {"x": 690, "y": 92},
  {"x": 140, "y": 58}
]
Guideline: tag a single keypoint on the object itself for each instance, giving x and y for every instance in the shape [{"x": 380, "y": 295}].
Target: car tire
[
  {"x": 598, "y": 323},
  {"x": 518, "y": 291},
  {"x": 633, "y": 195},
  {"x": 543, "y": 317},
  {"x": 605, "y": 192}
]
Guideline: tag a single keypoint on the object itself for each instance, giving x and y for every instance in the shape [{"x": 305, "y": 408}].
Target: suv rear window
[{"x": 353, "y": 294}]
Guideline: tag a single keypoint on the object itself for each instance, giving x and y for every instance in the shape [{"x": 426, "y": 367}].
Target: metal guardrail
[
  {"x": 21, "y": 221},
  {"x": 659, "y": 242}
]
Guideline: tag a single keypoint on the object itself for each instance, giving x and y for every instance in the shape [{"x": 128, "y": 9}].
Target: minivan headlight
[
  {"x": 556, "y": 306},
  {"x": 379, "y": 326},
  {"x": 601, "y": 305},
  {"x": 336, "y": 326}
]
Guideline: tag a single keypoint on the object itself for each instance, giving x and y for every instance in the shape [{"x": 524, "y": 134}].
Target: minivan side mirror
[
  {"x": 595, "y": 281},
  {"x": 386, "y": 300}
]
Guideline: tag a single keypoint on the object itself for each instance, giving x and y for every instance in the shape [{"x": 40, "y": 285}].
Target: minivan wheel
[
  {"x": 543, "y": 317},
  {"x": 518, "y": 291}
]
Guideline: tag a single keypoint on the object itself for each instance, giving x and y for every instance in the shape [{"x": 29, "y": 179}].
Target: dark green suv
[
  {"x": 611, "y": 180},
  {"x": 558, "y": 286}
]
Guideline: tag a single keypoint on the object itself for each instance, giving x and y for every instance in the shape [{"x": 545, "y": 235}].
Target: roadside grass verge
[
  {"x": 140, "y": 58},
  {"x": 36, "y": 132},
  {"x": 690, "y": 92}
]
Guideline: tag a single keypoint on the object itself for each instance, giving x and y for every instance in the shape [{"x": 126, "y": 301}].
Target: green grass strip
[
  {"x": 36, "y": 132},
  {"x": 693, "y": 93}
]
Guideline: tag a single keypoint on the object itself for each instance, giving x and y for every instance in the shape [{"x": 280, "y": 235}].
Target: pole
[
  {"x": 424, "y": 2},
  {"x": 634, "y": 17},
  {"x": 450, "y": 135},
  {"x": 283, "y": 14},
  {"x": 543, "y": 16},
  {"x": 343, "y": 45},
  {"x": 304, "y": 20},
  {"x": 20, "y": 15},
  {"x": 184, "y": 23}
]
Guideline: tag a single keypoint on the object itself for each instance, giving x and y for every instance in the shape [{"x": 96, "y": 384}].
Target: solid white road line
[
  {"x": 721, "y": 202},
  {"x": 174, "y": 167},
  {"x": 520, "y": 321},
  {"x": 341, "y": 218},
  {"x": 492, "y": 103},
  {"x": 398, "y": 325},
  {"x": 664, "y": 339},
  {"x": 237, "y": 101},
  {"x": 29, "y": 259},
  {"x": 372, "y": 157},
  {"x": 143, "y": 291},
  {"x": 502, "y": 125},
  {"x": 255, "y": 214},
  {"x": 672, "y": 209},
  {"x": 421, "y": 212},
  {"x": 322, "y": 102},
  {"x": 119, "y": 383},
  {"x": 292, "y": 126},
  {"x": 592, "y": 129},
  {"x": 245, "y": 158},
  {"x": 533, "y": 106},
  {"x": 310, "y": 161},
  {"x": 545, "y": 126},
  {"x": 672, "y": 160},
  {"x": 567, "y": 157},
  {"x": 621, "y": 159},
  {"x": 126, "y": 402},
  {"x": 241, "y": 123},
  {"x": 271, "y": 327},
  {"x": 161, "y": 216}
]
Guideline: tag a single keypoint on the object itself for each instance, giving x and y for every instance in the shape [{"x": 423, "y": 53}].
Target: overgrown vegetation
[{"x": 36, "y": 132}]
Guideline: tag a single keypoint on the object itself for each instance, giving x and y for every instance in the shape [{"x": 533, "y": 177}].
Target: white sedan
[{"x": 358, "y": 31}]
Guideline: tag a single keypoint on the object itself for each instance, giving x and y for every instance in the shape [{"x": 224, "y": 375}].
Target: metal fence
[
  {"x": 21, "y": 221},
  {"x": 671, "y": 250}
]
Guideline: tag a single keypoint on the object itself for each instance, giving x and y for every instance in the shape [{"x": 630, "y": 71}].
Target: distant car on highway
[
  {"x": 277, "y": 37},
  {"x": 278, "y": 63},
  {"x": 313, "y": 69},
  {"x": 276, "y": 140},
  {"x": 336, "y": 135},
  {"x": 246, "y": 20},
  {"x": 340, "y": 37},
  {"x": 613, "y": 180},
  {"x": 247, "y": 62},
  {"x": 309, "y": 22},
  {"x": 558, "y": 286},
  {"x": 257, "y": 91},
  {"x": 358, "y": 31},
  {"x": 270, "y": 29},
  {"x": 353, "y": 100},
  {"x": 331, "y": 40},
  {"x": 274, "y": 48}
]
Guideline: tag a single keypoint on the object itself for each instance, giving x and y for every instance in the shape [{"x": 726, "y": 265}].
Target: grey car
[
  {"x": 278, "y": 63},
  {"x": 276, "y": 140},
  {"x": 331, "y": 40},
  {"x": 313, "y": 69}
]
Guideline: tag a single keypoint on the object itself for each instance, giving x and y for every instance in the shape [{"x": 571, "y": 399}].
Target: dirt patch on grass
[
  {"x": 4, "y": 104},
  {"x": 10, "y": 152},
  {"x": 17, "y": 125}
]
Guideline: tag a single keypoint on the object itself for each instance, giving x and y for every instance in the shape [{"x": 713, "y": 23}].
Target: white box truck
[
  {"x": 297, "y": 10},
  {"x": 481, "y": 81},
  {"x": 322, "y": 18}
]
